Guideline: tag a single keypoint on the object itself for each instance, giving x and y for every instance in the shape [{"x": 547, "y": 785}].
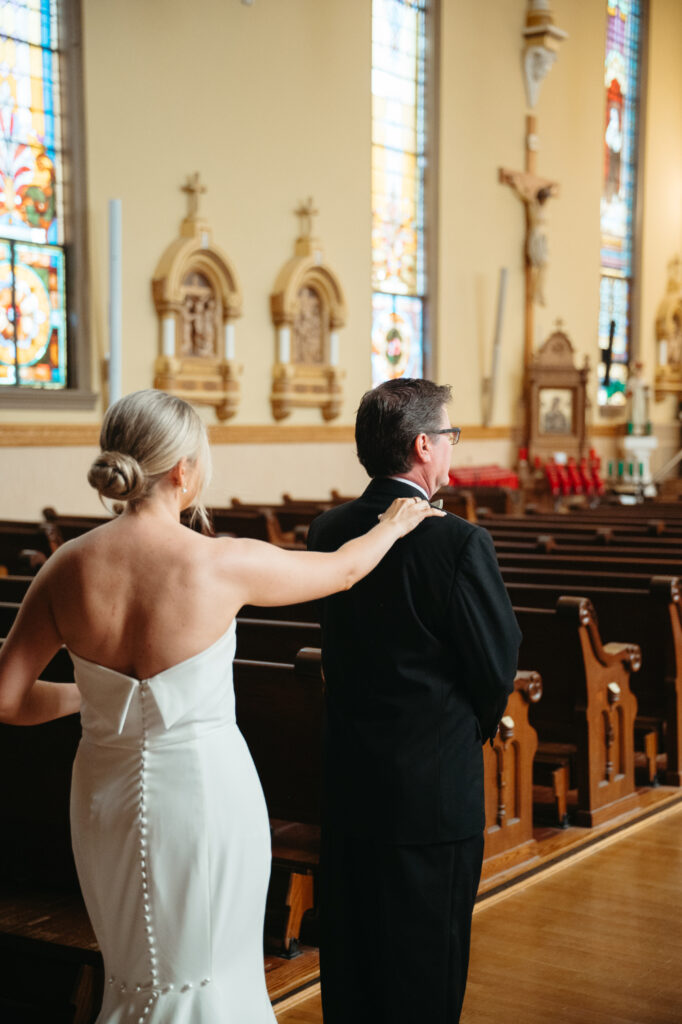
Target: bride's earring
[{"x": 184, "y": 490}]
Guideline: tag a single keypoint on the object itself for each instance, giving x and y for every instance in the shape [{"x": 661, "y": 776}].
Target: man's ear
[{"x": 422, "y": 448}]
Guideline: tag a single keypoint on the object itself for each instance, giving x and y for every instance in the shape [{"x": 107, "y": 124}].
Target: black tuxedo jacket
[{"x": 419, "y": 659}]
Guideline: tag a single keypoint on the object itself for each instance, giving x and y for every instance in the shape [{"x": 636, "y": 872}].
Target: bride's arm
[
  {"x": 32, "y": 641},
  {"x": 264, "y": 574}
]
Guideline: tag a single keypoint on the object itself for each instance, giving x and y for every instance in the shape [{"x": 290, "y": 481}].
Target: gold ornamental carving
[
  {"x": 198, "y": 297},
  {"x": 308, "y": 310},
  {"x": 669, "y": 334}
]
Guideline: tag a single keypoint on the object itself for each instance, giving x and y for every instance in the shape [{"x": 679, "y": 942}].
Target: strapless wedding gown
[{"x": 172, "y": 843}]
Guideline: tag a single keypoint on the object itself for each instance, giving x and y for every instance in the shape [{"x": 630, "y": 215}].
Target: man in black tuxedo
[{"x": 419, "y": 659}]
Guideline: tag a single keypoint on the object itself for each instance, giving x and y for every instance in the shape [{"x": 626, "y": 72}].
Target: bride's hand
[{"x": 406, "y": 513}]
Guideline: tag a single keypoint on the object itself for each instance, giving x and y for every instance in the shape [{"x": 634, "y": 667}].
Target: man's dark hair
[{"x": 389, "y": 419}]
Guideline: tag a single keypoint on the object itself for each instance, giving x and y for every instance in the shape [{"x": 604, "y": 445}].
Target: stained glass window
[
  {"x": 621, "y": 82},
  {"x": 398, "y": 164},
  {"x": 32, "y": 287}
]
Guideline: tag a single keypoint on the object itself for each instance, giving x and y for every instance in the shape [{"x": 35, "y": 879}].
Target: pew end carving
[
  {"x": 508, "y": 768},
  {"x": 606, "y": 712},
  {"x": 579, "y": 726}
]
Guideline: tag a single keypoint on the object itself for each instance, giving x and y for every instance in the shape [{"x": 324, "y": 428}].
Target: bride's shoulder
[{"x": 229, "y": 553}]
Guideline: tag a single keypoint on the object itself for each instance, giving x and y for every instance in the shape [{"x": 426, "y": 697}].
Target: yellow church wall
[{"x": 271, "y": 103}]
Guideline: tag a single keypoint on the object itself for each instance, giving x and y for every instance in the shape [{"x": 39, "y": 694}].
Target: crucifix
[
  {"x": 194, "y": 189},
  {"x": 306, "y": 212},
  {"x": 533, "y": 191}
]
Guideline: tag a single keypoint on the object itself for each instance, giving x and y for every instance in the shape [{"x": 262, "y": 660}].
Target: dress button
[
  {"x": 206, "y": 981},
  {"x": 187, "y": 987}
]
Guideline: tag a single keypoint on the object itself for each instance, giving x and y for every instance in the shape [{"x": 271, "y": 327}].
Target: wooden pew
[
  {"x": 258, "y": 524},
  {"x": 62, "y": 528},
  {"x": 501, "y": 501},
  {"x": 652, "y": 619},
  {"x": 574, "y": 575},
  {"x": 269, "y": 640},
  {"x": 559, "y": 563},
  {"x": 290, "y": 514},
  {"x": 279, "y": 712},
  {"x": 51, "y": 967},
  {"x": 8, "y": 613},
  {"x": 622, "y": 547},
  {"x": 580, "y": 525},
  {"x": 588, "y": 711},
  {"x": 13, "y": 588},
  {"x": 24, "y": 547}
]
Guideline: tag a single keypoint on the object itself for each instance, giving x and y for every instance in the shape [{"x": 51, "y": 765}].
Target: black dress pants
[{"x": 395, "y": 925}]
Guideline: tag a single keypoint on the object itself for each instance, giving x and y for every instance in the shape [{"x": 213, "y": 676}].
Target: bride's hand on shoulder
[{"x": 407, "y": 513}]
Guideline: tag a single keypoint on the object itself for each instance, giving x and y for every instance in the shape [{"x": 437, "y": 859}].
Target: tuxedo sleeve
[{"x": 485, "y": 631}]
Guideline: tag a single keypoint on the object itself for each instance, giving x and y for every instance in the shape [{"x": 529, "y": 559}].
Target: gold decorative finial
[
  {"x": 306, "y": 212},
  {"x": 194, "y": 189}
]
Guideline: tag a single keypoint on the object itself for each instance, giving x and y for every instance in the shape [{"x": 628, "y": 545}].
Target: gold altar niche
[
  {"x": 669, "y": 335},
  {"x": 197, "y": 297},
  {"x": 308, "y": 310}
]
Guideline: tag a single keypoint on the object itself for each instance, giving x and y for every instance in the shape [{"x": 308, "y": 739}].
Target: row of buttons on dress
[
  {"x": 153, "y": 987},
  {"x": 142, "y": 833}
]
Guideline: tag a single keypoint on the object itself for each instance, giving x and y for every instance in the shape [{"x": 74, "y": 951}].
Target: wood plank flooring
[{"x": 593, "y": 940}]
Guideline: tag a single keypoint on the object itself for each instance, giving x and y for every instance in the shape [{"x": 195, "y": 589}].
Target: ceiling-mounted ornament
[
  {"x": 542, "y": 39},
  {"x": 308, "y": 310},
  {"x": 197, "y": 297}
]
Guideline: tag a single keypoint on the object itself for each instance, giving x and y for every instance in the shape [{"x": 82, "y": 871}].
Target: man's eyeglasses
[{"x": 452, "y": 432}]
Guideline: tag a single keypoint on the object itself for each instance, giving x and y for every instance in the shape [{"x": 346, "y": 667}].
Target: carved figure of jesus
[{"x": 534, "y": 193}]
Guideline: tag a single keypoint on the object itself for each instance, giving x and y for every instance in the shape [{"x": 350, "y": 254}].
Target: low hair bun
[{"x": 119, "y": 476}]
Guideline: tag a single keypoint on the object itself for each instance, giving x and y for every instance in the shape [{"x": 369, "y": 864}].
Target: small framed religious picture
[
  {"x": 556, "y": 400},
  {"x": 556, "y": 410}
]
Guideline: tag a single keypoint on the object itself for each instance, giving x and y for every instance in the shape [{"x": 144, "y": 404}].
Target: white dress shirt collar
[{"x": 402, "y": 480}]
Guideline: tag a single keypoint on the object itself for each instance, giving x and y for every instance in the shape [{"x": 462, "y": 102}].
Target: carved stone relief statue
[
  {"x": 200, "y": 316},
  {"x": 308, "y": 330}
]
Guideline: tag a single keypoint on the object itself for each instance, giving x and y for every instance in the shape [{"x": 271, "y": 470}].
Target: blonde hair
[{"x": 143, "y": 436}]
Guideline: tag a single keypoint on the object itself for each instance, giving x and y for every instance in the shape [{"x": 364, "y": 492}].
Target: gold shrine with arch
[
  {"x": 198, "y": 297},
  {"x": 308, "y": 309}
]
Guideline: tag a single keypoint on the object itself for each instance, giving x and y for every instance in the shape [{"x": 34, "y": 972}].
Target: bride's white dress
[{"x": 172, "y": 843}]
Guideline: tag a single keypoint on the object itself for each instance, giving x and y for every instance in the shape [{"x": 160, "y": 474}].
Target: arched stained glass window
[
  {"x": 33, "y": 350},
  {"x": 619, "y": 190},
  {"x": 399, "y": 48}
]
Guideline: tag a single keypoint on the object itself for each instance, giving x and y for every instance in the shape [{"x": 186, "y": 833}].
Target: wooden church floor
[{"x": 591, "y": 938}]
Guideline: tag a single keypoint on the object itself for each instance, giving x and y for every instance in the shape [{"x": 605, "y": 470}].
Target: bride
[{"x": 169, "y": 825}]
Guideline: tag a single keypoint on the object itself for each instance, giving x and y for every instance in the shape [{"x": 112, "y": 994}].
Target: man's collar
[
  {"x": 390, "y": 487},
  {"x": 410, "y": 483}
]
